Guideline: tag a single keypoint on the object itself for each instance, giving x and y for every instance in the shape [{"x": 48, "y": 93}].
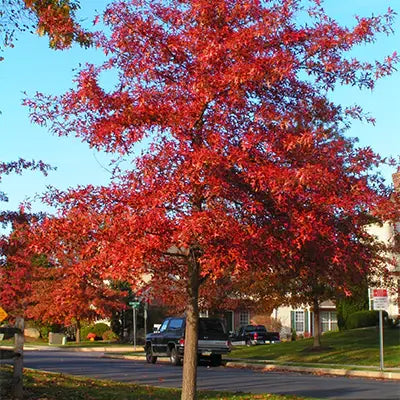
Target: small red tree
[
  {"x": 243, "y": 155},
  {"x": 14, "y": 264},
  {"x": 79, "y": 290}
]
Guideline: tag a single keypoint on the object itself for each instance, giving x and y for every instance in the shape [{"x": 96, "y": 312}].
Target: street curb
[
  {"x": 286, "y": 368},
  {"x": 316, "y": 371},
  {"x": 110, "y": 353},
  {"x": 100, "y": 349}
]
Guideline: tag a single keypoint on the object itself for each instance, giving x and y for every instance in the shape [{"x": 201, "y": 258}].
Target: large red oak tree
[{"x": 244, "y": 163}]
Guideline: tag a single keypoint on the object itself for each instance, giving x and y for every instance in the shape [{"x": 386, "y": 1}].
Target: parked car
[
  {"x": 254, "y": 334},
  {"x": 169, "y": 341}
]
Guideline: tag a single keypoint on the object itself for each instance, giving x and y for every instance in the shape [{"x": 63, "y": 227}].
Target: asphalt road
[{"x": 212, "y": 378}]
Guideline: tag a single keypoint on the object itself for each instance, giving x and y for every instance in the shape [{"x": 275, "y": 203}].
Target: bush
[
  {"x": 100, "y": 328},
  {"x": 45, "y": 330},
  {"x": 85, "y": 330},
  {"x": 350, "y": 305},
  {"x": 362, "y": 319},
  {"x": 110, "y": 336}
]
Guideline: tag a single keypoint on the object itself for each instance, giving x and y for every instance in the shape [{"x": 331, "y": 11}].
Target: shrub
[
  {"x": 110, "y": 336},
  {"x": 100, "y": 328},
  {"x": 362, "y": 319},
  {"x": 85, "y": 330},
  {"x": 45, "y": 330},
  {"x": 346, "y": 306}
]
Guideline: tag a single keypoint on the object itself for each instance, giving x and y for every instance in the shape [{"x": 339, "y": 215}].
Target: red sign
[{"x": 379, "y": 293}]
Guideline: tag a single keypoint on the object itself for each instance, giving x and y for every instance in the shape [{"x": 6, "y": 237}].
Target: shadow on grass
[
  {"x": 320, "y": 349},
  {"x": 46, "y": 386}
]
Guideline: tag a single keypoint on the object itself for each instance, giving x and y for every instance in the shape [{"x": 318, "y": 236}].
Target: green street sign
[{"x": 134, "y": 304}]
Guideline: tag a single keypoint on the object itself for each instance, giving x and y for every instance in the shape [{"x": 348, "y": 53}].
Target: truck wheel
[
  {"x": 149, "y": 356},
  {"x": 216, "y": 360},
  {"x": 174, "y": 357}
]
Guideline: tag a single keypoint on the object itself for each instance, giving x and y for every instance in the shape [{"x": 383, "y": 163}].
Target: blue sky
[{"x": 31, "y": 66}]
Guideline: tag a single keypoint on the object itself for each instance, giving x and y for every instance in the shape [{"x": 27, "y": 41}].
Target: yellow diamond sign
[{"x": 3, "y": 314}]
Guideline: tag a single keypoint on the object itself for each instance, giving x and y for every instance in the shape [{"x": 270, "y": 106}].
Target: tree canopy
[{"x": 246, "y": 171}]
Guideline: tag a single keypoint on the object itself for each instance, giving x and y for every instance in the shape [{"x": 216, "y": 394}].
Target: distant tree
[
  {"x": 14, "y": 262},
  {"x": 244, "y": 166},
  {"x": 15, "y": 270},
  {"x": 80, "y": 291}
]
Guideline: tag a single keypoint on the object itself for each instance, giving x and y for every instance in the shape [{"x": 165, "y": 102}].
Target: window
[
  {"x": 164, "y": 325},
  {"x": 244, "y": 318},
  {"x": 211, "y": 326},
  {"x": 175, "y": 324},
  {"x": 299, "y": 321},
  {"x": 328, "y": 321}
]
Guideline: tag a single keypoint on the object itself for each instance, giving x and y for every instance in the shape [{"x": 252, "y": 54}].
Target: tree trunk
[
  {"x": 189, "y": 379},
  {"x": 78, "y": 331},
  {"x": 317, "y": 326}
]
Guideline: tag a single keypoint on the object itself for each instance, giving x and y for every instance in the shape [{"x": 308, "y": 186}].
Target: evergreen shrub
[
  {"x": 362, "y": 319},
  {"x": 100, "y": 328}
]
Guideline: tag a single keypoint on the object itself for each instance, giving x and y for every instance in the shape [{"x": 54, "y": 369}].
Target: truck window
[
  {"x": 211, "y": 326},
  {"x": 175, "y": 324},
  {"x": 164, "y": 325}
]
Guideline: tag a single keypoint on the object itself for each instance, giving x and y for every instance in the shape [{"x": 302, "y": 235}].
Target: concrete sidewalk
[{"x": 102, "y": 349}]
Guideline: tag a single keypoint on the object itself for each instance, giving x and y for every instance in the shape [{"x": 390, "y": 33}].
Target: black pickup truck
[
  {"x": 169, "y": 341},
  {"x": 254, "y": 334}
]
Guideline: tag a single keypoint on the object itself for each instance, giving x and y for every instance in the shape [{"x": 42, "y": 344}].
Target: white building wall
[{"x": 386, "y": 234}]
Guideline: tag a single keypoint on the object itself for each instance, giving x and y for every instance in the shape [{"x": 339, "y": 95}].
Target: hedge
[
  {"x": 362, "y": 319},
  {"x": 98, "y": 329}
]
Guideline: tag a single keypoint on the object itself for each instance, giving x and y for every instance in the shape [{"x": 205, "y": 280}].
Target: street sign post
[
  {"x": 381, "y": 303},
  {"x": 135, "y": 305}
]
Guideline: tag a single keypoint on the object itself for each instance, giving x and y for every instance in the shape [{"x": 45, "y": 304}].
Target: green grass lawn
[
  {"x": 354, "y": 347},
  {"x": 44, "y": 386}
]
